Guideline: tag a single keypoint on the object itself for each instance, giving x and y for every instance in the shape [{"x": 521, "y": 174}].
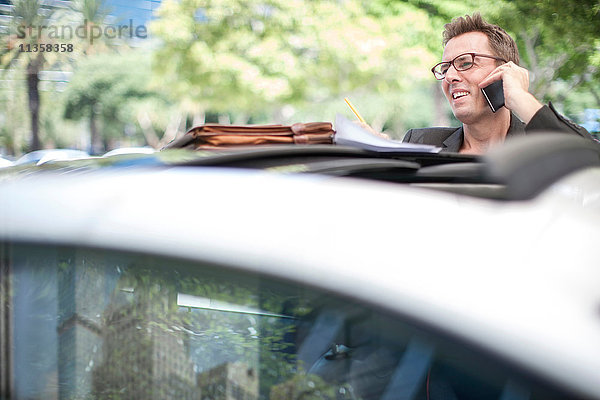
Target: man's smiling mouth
[{"x": 456, "y": 95}]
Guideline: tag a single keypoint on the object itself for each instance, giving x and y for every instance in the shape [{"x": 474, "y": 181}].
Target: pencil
[{"x": 361, "y": 119}]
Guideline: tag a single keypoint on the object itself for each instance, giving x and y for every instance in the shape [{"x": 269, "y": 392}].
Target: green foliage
[
  {"x": 14, "y": 122},
  {"x": 26, "y": 30},
  {"x": 91, "y": 10},
  {"x": 106, "y": 87},
  {"x": 214, "y": 58},
  {"x": 26, "y": 13},
  {"x": 558, "y": 42},
  {"x": 278, "y": 60}
]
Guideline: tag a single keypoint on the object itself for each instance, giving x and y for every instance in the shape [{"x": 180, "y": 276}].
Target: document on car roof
[{"x": 347, "y": 133}]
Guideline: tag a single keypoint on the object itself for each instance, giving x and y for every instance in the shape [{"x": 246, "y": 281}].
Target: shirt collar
[{"x": 455, "y": 140}]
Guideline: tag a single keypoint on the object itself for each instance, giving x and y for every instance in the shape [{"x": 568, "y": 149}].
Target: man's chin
[
  {"x": 463, "y": 116},
  {"x": 469, "y": 116}
]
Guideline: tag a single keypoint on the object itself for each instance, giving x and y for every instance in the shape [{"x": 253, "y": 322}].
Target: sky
[{"x": 140, "y": 11}]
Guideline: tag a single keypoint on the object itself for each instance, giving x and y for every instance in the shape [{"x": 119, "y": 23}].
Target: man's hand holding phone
[
  {"x": 515, "y": 85},
  {"x": 494, "y": 95}
]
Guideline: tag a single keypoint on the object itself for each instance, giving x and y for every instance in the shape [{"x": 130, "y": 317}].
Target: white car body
[{"x": 518, "y": 279}]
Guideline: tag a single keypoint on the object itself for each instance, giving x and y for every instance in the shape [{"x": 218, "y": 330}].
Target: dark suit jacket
[{"x": 451, "y": 139}]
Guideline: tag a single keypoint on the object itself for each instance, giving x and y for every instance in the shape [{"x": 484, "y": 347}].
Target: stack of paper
[{"x": 348, "y": 133}]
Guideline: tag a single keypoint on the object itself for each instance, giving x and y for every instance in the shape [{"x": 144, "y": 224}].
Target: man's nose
[{"x": 451, "y": 74}]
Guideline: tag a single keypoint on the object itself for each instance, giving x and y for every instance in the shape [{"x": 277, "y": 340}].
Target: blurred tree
[
  {"x": 91, "y": 15},
  {"x": 226, "y": 55},
  {"x": 438, "y": 12},
  {"x": 103, "y": 90},
  {"x": 235, "y": 56},
  {"x": 26, "y": 14},
  {"x": 14, "y": 132},
  {"x": 30, "y": 35},
  {"x": 362, "y": 54},
  {"x": 559, "y": 41}
]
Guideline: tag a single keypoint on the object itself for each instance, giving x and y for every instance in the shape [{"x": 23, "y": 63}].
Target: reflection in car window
[{"x": 106, "y": 325}]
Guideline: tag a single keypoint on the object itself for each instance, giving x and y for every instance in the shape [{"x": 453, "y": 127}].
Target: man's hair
[{"x": 500, "y": 42}]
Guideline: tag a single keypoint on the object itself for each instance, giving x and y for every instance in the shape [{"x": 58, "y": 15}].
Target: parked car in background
[
  {"x": 304, "y": 272},
  {"x": 43, "y": 156},
  {"x": 129, "y": 150},
  {"x": 5, "y": 162}
]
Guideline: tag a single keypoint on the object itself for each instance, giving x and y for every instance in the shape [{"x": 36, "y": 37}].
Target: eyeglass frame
[{"x": 451, "y": 63}]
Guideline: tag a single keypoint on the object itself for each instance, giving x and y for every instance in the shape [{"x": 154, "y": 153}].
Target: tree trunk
[
  {"x": 95, "y": 140},
  {"x": 149, "y": 134},
  {"x": 33, "y": 80}
]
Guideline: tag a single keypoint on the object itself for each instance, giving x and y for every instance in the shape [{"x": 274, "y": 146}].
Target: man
[{"x": 477, "y": 54}]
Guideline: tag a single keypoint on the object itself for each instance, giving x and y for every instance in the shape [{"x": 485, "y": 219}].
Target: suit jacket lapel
[{"x": 454, "y": 141}]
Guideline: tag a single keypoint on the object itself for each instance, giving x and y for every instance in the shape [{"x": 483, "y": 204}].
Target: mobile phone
[{"x": 494, "y": 94}]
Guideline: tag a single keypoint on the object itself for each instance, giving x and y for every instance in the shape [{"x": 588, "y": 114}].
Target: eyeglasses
[{"x": 462, "y": 62}]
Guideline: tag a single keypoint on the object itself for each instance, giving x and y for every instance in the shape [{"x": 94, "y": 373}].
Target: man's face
[{"x": 461, "y": 87}]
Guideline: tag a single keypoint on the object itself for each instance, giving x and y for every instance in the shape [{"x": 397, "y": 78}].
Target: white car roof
[{"x": 517, "y": 278}]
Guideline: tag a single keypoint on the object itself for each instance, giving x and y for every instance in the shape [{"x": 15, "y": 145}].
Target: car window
[{"x": 96, "y": 324}]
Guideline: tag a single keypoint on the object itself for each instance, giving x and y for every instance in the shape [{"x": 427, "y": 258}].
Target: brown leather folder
[{"x": 215, "y": 136}]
